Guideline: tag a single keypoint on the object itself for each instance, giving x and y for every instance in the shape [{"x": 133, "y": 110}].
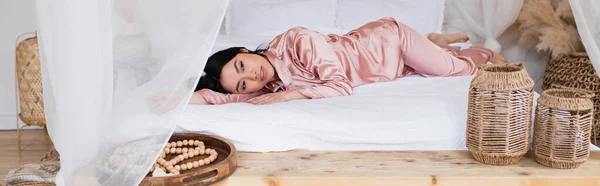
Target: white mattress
[{"x": 410, "y": 113}]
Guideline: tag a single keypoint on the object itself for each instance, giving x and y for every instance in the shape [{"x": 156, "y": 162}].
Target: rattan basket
[
  {"x": 576, "y": 71},
  {"x": 499, "y": 114},
  {"x": 29, "y": 83},
  {"x": 563, "y": 123}
]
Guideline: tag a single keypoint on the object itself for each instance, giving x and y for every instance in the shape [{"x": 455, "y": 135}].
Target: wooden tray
[{"x": 220, "y": 169}]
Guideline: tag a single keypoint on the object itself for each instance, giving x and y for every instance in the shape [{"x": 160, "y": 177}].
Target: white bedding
[{"x": 411, "y": 113}]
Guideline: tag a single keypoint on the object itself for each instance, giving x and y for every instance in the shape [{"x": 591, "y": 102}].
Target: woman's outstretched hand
[
  {"x": 198, "y": 99},
  {"x": 276, "y": 97}
]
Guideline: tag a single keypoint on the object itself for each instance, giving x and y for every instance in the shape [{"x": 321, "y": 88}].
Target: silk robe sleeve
[
  {"x": 217, "y": 98},
  {"x": 320, "y": 58}
]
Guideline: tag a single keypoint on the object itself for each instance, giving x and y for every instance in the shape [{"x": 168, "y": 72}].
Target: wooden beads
[{"x": 179, "y": 147}]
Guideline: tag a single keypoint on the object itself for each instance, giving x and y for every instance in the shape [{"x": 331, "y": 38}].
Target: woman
[{"x": 303, "y": 64}]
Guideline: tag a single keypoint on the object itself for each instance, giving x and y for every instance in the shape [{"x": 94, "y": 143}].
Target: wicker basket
[
  {"x": 499, "y": 114},
  {"x": 28, "y": 74},
  {"x": 576, "y": 71},
  {"x": 563, "y": 123}
]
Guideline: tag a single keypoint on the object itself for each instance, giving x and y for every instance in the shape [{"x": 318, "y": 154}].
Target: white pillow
[
  {"x": 272, "y": 17},
  {"x": 425, "y": 16}
]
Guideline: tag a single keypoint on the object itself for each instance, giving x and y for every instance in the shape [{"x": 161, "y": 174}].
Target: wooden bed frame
[{"x": 426, "y": 168}]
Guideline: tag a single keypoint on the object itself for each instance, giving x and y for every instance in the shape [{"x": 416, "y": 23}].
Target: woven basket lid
[
  {"x": 570, "y": 99},
  {"x": 502, "y": 77}
]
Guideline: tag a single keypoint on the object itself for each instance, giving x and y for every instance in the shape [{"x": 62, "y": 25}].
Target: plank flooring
[
  {"x": 299, "y": 168},
  {"x": 420, "y": 168},
  {"x": 34, "y": 144}
]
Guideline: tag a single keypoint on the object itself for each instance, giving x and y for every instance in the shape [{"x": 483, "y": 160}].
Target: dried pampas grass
[
  {"x": 549, "y": 25},
  {"x": 555, "y": 2},
  {"x": 565, "y": 12},
  {"x": 558, "y": 42}
]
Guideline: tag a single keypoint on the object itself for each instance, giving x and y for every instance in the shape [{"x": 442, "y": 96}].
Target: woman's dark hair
[{"x": 214, "y": 65}]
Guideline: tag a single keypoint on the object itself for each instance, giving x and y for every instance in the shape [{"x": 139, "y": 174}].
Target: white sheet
[{"x": 411, "y": 113}]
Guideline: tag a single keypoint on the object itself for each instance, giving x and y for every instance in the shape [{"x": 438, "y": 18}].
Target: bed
[
  {"x": 410, "y": 131},
  {"x": 410, "y": 113},
  {"x": 369, "y": 138}
]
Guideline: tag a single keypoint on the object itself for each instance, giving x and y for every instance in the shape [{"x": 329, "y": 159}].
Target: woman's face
[{"x": 247, "y": 73}]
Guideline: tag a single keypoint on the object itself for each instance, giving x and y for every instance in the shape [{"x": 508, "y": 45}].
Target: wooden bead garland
[{"x": 171, "y": 166}]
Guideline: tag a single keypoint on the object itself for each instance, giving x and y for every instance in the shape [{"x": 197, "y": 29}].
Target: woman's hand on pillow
[
  {"x": 198, "y": 99},
  {"x": 277, "y": 97}
]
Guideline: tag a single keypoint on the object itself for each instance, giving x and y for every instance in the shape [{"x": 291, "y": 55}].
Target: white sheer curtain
[
  {"x": 483, "y": 20},
  {"x": 587, "y": 17},
  {"x": 117, "y": 75}
]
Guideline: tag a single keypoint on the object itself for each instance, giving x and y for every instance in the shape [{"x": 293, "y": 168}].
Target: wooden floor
[
  {"x": 301, "y": 168},
  {"x": 34, "y": 144},
  {"x": 419, "y": 168}
]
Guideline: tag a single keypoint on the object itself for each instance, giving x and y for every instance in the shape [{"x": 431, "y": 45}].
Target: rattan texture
[
  {"x": 29, "y": 78},
  {"x": 41, "y": 183},
  {"x": 575, "y": 70},
  {"x": 499, "y": 114},
  {"x": 562, "y": 129}
]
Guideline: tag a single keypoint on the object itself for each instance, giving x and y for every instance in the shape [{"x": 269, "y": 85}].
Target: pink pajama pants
[{"x": 424, "y": 57}]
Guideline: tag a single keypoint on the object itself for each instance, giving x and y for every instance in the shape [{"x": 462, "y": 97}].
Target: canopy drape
[
  {"x": 116, "y": 76},
  {"x": 482, "y": 20}
]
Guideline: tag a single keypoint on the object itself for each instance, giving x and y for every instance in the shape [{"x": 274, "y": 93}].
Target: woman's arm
[
  {"x": 317, "y": 56},
  {"x": 198, "y": 99},
  {"x": 320, "y": 58},
  {"x": 276, "y": 97},
  {"x": 207, "y": 96}
]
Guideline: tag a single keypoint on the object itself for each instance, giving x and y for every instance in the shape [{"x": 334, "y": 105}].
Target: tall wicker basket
[
  {"x": 29, "y": 80},
  {"x": 563, "y": 123},
  {"x": 575, "y": 71},
  {"x": 499, "y": 114},
  {"x": 28, "y": 77}
]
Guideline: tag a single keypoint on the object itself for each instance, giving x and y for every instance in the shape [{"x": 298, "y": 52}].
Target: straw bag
[
  {"x": 563, "y": 123},
  {"x": 499, "y": 114},
  {"x": 29, "y": 82},
  {"x": 576, "y": 71}
]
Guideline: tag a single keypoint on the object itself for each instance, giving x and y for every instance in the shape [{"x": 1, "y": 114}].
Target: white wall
[{"x": 16, "y": 17}]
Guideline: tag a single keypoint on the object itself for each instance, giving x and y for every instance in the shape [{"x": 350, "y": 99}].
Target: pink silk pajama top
[{"x": 322, "y": 66}]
